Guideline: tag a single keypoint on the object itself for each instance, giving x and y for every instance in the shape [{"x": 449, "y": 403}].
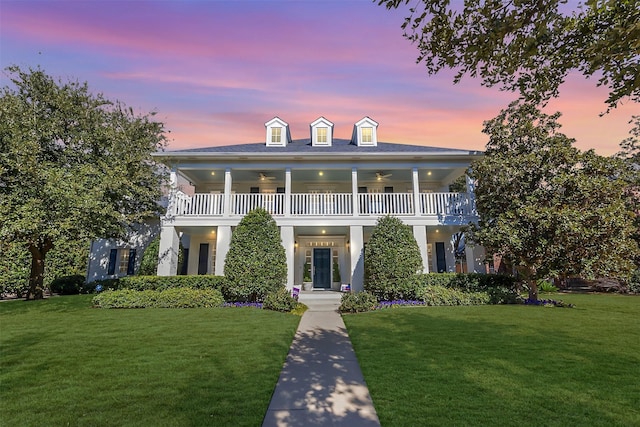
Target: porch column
[
  {"x": 286, "y": 234},
  {"x": 354, "y": 191},
  {"x": 356, "y": 249},
  {"x": 417, "y": 210},
  {"x": 223, "y": 238},
  {"x": 287, "y": 192},
  {"x": 168, "y": 253},
  {"x": 227, "y": 192},
  {"x": 420, "y": 234},
  {"x": 471, "y": 191},
  {"x": 475, "y": 258}
]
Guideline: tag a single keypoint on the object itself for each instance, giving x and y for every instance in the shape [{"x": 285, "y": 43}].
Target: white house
[{"x": 325, "y": 195}]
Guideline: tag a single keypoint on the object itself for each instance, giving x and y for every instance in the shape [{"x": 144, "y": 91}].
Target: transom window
[
  {"x": 276, "y": 134},
  {"x": 367, "y": 135},
  {"x": 321, "y": 135}
]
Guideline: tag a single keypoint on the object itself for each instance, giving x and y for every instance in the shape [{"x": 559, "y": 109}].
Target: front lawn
[
  {"x": 507, "y": 365},
  {"x": 65, "y": 363}
]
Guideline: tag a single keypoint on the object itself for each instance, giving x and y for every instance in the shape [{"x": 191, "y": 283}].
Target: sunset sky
[{"x": 216, "y": 71}]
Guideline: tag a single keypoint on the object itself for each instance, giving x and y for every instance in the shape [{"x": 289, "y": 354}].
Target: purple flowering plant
[
  {"x": 548, "y": 303},
  {"x": 243, "y": 304}
]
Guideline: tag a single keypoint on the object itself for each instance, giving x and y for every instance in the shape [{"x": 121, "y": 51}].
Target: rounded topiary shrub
[
  {"x": 391, "y": 259},
  {"x": 256, "y": 263},
  {"x": 149, "y": 261},
  {"x": 280, "y": 300}
]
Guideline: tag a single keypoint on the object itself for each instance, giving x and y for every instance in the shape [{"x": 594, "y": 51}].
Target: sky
[{"x": 215, "y": 71}]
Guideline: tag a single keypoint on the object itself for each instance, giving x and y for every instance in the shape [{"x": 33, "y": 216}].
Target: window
[
  {"x": 321, "y": 135},
  {"x": 367, "y": 135},
  {"x": 121, "y": 262},
  {"x": 276, "y": 135}
]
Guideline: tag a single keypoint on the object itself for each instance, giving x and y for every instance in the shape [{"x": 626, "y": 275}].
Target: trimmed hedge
[
  {"x": 69, "y": 285},
  {"x": 358, "y": 302},
  {"x": 500, "y": 288},
  {"x": 168, "y": 298},
  {"x": 440, "y": 295},
  {"x": 159, "y": 283}
]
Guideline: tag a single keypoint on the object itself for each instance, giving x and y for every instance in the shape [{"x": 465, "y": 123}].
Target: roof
[{"x": 303, "y": 146}]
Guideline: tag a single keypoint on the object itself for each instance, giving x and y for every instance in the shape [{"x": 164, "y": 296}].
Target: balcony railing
[{"x": 330, "y": 204}]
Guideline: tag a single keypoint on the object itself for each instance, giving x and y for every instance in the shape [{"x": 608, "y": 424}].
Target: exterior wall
[{"x": 139, "y": 239}]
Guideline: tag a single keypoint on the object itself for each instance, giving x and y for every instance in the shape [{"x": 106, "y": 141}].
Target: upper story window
[
  {"x": 321, "y": 132},
  {"x": 278, "y": 134},
  {"x": 365, "y": 133},
  {"x": 321, "y": 135}
]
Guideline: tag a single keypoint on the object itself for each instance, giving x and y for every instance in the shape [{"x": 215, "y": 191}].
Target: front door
[
  {"x": 322, "y": 268},
  {"x": 441, "y": 257}
]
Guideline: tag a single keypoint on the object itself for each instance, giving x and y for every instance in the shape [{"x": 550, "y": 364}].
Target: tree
[
  {"x": 530, "y": 46},
  {"x": 73, "y": 166},
  {"x": 256, "y": 263},
  {"x": 391, "y": 258},
  {"x": 546, "y": 206}
]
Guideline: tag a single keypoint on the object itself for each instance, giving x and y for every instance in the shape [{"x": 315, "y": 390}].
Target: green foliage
[
  {"x": 634, "y": 282},
  {"x": 546, "y": 286},
  {"x": 529, "y": 47},
  {"x": 168, "y": 298},
  {"x": 280, "y": 300},
  {"x": 256, "y": 263},
  {"x": 74, "y": 166},
  {"x": 336, "y": 272},
  {"x": 68, "y": 285},
  {"x": 358, "y": 302},
  {"x": 440, "y": 295},
  {"x": 149, "y": 261},
  {"x": 306, "y": 276},
  {"x": 159, "y": 283},
  {"x": 548, "y": 207},
  {"x": 499, "y": 288},
  {"x": 391, "y": 258}
]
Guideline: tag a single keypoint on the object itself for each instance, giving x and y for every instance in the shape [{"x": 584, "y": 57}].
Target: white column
[
  {"x": 287, "y": 192},
  {"x": 168, "y": 253},
  {"x": 286, "y": 234},
  {"x": 416, "y": 192},
  {"x": 223, "y": 239},
  {"x": 420, "y": 234},
  {"x": 227, "y": 192},
  {"x": 475, "y": 259},
  {"x": 354, "y": 191},
  {"x": 356, "y": 248},
  {"x": 471, "y": 191}
]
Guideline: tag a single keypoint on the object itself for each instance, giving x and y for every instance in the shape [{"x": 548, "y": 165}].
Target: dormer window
[
  {"x": 365, "y": 133},
  {"x": 321, "y": 132},
  {"x": 278, "y": 134},
  {"x": 321, "y": 135}
]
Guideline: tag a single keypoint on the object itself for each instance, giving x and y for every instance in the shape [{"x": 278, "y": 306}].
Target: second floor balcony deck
[{"x": 321, "y": 204}]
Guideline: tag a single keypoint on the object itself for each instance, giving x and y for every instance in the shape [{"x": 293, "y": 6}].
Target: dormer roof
[
  {"x": 321, "y": 132},
  {"x": 365, "y": 133},
  {"x": 278, "y": 134}
]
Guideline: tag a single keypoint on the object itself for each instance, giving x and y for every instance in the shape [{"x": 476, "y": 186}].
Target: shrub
[
  {"x": 68, "y": 285},
  {"x": 160, "y": 283},
  {"x": 501, "y": 289},
  {"x": 546, "y": 286},
  {"x": 168, "y": 298},
  {"x": 149, "y": 261},
  {"x": 439, "y": 295},
  {"x": 634, "y": 282},
  {"x": 358, "y": 302},
  {"x": 280, "y": 300},
  {"x": 256, "y": 263},
  {"x": 391, "y": 259}
]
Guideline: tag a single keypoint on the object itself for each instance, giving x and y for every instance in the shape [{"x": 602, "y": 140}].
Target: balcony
[{"x": 330, "y": 204}]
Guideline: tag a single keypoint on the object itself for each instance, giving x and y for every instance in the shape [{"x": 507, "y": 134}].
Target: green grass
[
  {"x": 503, "y": 365},
  {"x": 65, "y": 363}
]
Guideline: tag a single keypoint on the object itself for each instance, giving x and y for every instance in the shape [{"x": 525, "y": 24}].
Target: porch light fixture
[
  {"x": 429, "y": 173},
  {"x": 213, "y": 173},
  {"x": 320, "y": 173},
  {"x": 324, "y": 231}
]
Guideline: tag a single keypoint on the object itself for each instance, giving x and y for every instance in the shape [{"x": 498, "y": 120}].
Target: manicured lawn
[
  {"x": 503, "y": 365},
  {"x": 65, "y": 363}
]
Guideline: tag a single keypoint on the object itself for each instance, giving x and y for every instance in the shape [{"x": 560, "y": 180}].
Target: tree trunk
[
  {"x": 533, "y": 290},
  {"x": 36, "y": 279}
]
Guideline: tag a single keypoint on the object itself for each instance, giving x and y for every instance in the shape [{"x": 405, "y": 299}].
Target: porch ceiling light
[
  {"x": 213, "y": 173},
  {"x": 429, "y": 173},
  {"x": 324, "y": 231},
  {"x": 320, "y": 173}
]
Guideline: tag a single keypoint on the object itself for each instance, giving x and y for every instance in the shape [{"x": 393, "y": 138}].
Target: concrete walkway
[{"x": 321, "y": 383}]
